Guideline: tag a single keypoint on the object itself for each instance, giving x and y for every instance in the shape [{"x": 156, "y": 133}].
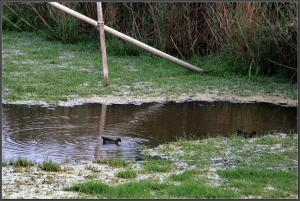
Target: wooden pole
[
  {"x": 124, "y": 37},
  {"x": 102, "y": 42}
]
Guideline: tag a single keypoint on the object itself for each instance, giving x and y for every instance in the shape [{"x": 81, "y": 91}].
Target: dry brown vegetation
[{"x": 258, "y": 37}]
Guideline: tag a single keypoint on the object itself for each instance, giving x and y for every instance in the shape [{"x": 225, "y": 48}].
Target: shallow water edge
[
  {"x": 49, "y": 185},
  {"x": 108, "y": 100}
]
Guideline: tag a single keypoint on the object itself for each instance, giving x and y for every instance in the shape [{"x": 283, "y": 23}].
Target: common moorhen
[
  {"x": 111, "y": 141},
  {"x": 245, "y": 134}
]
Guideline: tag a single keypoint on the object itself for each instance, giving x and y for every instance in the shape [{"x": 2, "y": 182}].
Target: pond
[{"x": 68, "y": 133}]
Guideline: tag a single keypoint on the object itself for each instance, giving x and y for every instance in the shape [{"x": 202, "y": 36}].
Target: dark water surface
[{"x": 63, "y": 133}]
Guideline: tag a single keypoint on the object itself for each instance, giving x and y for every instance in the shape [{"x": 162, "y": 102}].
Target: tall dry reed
[{"x": 259, "y": 37}]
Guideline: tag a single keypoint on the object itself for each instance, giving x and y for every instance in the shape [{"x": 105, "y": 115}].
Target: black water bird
[
  {"x": 245, "y": 134},
  {"x": 239, "y": 132},
  {"x": 111, "y": 141}
]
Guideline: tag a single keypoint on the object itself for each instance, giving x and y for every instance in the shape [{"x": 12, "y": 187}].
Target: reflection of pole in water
[
  {"x": 136, "y": 119},
  {"x": 102, "y": 119},
  {"x": 101, "y": 128}
]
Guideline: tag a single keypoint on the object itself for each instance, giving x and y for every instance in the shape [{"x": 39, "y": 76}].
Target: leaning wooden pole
[
  {"x": 102, "y": 42},
  {"x": 124, "y": 37}
]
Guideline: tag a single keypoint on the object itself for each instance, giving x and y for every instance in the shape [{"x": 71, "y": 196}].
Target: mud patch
[{"x": 137, "y": 100}]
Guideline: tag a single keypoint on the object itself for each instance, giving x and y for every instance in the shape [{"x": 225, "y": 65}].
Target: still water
[{"x": 66, "y": 133}]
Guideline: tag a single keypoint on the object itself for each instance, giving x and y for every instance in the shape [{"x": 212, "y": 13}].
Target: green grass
[
  {"x": 114, "y": 162},
  {"x": 23, "y": 162},
  {"x": 6, "y": 162},
  {"x": 275, "y": 160},
  {"x": 148, "y": 189},
  {"x": 54, "y": 72},
  {"x": 261, "y": 170},
  {"x": 268, "y": 141},
  {"x": 157, "y": 165},
  {"x": 41, "y": 70},
  {"x": 261, "y": 153},
  {"x": 197, "y": 189},
  {"x": 254, "y": 181},
  {"x": 185, "y": 176},
  {"x": 262, "y": 157},
  {"x": 50, "y": 166},
  {"x": 202, "y": 151},
  {"x": 127, "y": 174},
  {"x": 19, "y": 162},
  {"x": 91, "y": 187}
]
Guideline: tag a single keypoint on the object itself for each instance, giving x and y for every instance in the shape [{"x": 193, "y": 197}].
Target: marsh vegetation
[
  {"x": 250, "y": 38},
  {"x": 234, "y": 167},
  {"x": 55, "y": 72},
  {"x": 245, "y": 49}
]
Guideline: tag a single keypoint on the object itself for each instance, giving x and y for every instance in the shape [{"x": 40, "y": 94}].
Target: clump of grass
[
  {"x": 115, "y": 162},
  {"x": 276, "y": 160},
  {"x": 185, "y": 176},
  {"x": 253, "y": 181},
  {"x": 50, "y": 166},
  {"x": 289, "y": 141},
  {"x": 149, "y": 189},
  {"x": 140, "y": 189},
  {"x": 20, "y": 162},
  {"x": 157, "y": 165},
  {"x": 196, "y": 189},
  {"x": 267, "y": 140},
  {"x": 90, "y": 187},
  {"x": 92, "y": 168},
  {"x": 200, "y": 149},
  {"x": 4, "y": 163},
  {"x": 7, "y": 162},
  {"x": 128, "y": 174},
  {"x": 23, "y": 162}
]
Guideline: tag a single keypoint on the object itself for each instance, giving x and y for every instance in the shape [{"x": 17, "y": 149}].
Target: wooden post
[
  {"x": 102, "y": 42},
  {"x": 124, "y": 37}
]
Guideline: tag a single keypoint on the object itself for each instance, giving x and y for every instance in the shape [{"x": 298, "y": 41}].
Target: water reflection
[{"x": 64, "y": 133}]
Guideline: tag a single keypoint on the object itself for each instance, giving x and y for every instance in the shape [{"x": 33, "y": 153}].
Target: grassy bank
[
  {"x": 219, "y": 167},
  {"x": 37, "y": 69},
  {"x": 234, "y": 167}
]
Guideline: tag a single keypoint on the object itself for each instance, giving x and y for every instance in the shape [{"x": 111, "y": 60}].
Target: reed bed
[{"x": 258, "y": 38}]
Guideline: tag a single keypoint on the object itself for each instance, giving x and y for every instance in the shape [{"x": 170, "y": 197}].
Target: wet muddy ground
[
  {"x": 18, "y": 183},
  {"x": 210, "y": 96}
]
